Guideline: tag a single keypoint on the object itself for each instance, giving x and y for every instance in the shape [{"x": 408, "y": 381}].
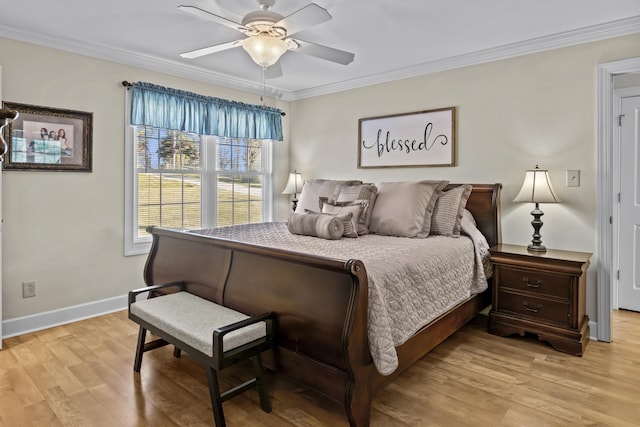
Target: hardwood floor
[{"x": 81, "y": 375}]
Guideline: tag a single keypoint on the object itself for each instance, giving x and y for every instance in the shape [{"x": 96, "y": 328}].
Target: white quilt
[{"x": 411, "y": 281}]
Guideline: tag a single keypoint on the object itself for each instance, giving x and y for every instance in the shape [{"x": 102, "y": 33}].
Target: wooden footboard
[{"x": 320, "y": 304}]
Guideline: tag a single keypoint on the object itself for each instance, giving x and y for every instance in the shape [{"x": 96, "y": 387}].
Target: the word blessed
[{"x": 388, "y": 144}]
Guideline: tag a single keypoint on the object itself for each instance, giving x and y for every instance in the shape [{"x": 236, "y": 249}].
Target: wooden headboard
[{"x": 484, "y": 204}]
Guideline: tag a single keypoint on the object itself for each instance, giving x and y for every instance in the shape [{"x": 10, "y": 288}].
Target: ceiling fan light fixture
[{"x": 265, "y": 50}]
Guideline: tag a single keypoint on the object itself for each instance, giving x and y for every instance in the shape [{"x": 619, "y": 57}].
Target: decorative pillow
[
  {"x": 317, "y": 225},
  {"x": 448, "y": 211},
  {"x": 315, "y": 188},
  {"x": 365, "y": 195},
  {"x": 347, "y": 221},
  {"x": 350, "y": 229},
  {"x": 364, "y": 210},
  {"x": 401, "y": 208},
  {"x": 437, "y": 190}
]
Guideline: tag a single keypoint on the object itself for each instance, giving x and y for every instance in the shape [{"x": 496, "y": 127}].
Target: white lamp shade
[
  {"x": 265, "y": 50},
  {"x": 294, "y": 184},
  {"x": 537, "y": 188}
]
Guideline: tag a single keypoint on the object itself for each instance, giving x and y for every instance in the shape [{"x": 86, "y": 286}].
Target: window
[
  {"x": 169, "y": 179},
  {"x": 185, "y": 181},
  {"x": 239, "y": 180}
]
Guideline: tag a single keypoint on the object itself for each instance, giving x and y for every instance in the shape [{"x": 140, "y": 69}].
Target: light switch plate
[{"x": 573, "y": 178}]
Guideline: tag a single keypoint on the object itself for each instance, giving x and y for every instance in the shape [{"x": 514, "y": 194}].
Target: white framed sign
[{"x": 423, "y": 138}]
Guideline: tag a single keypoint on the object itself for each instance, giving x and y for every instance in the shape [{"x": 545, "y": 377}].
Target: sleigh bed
[{"x": 321, "y": 303}]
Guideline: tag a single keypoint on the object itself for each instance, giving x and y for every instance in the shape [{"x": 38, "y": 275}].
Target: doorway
[
  {"x": 605, "y": 175},
  {"x": 626, "y": 243}
]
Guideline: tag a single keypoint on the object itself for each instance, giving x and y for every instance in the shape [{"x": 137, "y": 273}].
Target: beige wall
[
  {"x": 65, "y": 230},
  {"x": 511, "y": 114}
]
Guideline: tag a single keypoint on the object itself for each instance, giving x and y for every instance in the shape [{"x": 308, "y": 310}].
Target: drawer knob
[
  {"x": 533, "y": 310},
  {"x": 532, "y": 285}
]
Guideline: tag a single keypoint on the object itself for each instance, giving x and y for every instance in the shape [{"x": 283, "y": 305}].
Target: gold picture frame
[{"x": 48, "y": 139}]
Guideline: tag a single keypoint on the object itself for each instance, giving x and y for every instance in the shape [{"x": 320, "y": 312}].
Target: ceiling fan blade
[
  {"x": 211, "y": 49},
  {"x": 323, "y": 52},
  {"x": 274, "y": 71},
  {"x": 212, "y": 17},
  {"x": 307, "y": 17}
]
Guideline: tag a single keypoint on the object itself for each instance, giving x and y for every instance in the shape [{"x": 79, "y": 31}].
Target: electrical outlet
[{"x": 28, "y": 289}]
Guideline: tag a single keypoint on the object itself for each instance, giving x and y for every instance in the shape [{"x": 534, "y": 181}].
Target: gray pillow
[
  {"x": 438, "y": 187},
  {"x": 317, "y": 225},
  {"x": 316, "y": 188},
  {"x": 447, "y": 213},
  {"x": 401, "y": 208},
  {"x": 349, "y": 214},
  {"x": 363, "y": 194}
]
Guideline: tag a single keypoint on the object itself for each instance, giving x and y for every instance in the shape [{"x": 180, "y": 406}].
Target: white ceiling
[{"x": 390, "y": 40}]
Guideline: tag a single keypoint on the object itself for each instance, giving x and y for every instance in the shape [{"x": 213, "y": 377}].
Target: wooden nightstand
[{"x": 542, "y": 293}]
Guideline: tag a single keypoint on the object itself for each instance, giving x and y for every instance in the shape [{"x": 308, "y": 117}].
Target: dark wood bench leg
[
  {"x": 261, "y": 383},
  {"x": 216, "y": 400},
  {"x": 142, "y": 334},
  {"x": 176, "y": 352}
]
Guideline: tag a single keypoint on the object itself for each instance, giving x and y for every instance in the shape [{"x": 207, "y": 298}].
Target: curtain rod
[{"x": 129, "y": 84}]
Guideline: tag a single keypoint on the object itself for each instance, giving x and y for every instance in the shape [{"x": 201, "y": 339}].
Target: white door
[{"x": 629, "y": 252}]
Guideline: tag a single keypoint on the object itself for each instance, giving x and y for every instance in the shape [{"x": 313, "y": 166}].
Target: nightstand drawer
[
  {"x": 535, "y": 281},
  {"x": 540, "y": 309}
]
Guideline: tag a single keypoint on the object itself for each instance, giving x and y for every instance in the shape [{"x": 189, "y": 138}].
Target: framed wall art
[
  {"x": 48, "y": 139},
  {"x": 423, "y": 138}
]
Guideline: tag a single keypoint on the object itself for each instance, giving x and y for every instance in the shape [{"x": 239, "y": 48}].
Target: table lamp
[
  {"x": 537, "y": 188},
  {"x": 294, "y": 186}
]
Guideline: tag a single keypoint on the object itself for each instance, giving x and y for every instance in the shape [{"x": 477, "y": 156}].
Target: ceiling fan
[{"x": 269, "y": 34}]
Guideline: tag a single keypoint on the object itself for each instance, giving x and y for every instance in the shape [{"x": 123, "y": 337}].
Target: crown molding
[
  {"x": 149, "y": 62},
  {"x": 135, "y": 59},
  {"x": 569, "y": 38}
]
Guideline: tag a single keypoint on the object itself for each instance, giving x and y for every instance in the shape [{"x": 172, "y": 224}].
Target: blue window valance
[{"x": 162, "y": 107}]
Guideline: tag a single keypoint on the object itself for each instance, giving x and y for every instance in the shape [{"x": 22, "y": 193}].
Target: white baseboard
[{"x": 49, "y": 319}]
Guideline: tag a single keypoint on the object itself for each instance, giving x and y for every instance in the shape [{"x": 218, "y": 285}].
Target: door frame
[{"x": 605, "y": 185}]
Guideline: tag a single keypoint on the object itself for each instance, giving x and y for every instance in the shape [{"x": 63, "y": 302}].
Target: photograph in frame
[{"x": 48, "y": 139}]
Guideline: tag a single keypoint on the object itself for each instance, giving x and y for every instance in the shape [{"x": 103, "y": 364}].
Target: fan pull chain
[{"x": 262, "y": 82}]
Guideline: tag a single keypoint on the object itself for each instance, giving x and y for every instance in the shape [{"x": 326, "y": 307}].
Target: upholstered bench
[{"x": 212, "y": 334}]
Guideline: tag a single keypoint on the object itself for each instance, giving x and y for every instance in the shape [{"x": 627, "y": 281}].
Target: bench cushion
[{"x": 192, "y": 319}]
